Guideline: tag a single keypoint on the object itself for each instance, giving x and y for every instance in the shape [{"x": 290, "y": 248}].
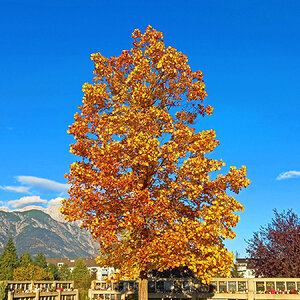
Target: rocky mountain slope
[{"x": 44, "y": 230}]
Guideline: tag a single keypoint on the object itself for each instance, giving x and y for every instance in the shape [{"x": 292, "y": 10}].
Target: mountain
[{"x": 44, "y": 230}]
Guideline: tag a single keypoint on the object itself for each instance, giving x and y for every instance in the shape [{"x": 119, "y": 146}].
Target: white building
[
  {"x": 244, "y": 269},
  {"x": 101, "y": 272}
]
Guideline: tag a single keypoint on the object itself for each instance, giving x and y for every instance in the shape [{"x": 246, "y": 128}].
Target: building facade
[
  {"x": 101, "y": 273},
  {"x": 244, "y": 268}
]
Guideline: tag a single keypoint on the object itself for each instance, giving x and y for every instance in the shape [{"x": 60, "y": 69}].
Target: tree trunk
[{"x": 143, "y": 285}]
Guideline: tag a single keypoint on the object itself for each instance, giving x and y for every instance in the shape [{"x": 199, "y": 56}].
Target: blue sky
[{"x": 247, "y": 50}]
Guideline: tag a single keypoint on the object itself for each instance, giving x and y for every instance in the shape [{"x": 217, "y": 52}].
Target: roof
[
  {"x": 89, "y": 262},
  {"x": 242, "y": 260},
  {"x": 246, "y": 261}
]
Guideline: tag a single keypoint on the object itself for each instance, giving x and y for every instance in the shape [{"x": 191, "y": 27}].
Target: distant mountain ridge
[
  {"x": 53, "y": 211},
  {"x": 44, "y": 230}
]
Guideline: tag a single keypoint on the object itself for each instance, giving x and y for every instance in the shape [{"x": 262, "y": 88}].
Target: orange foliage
[{"x": 142, "y": 186}]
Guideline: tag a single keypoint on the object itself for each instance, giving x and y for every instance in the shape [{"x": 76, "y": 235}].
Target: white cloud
[
  {"x": 43, "y": 183},
  {"x": 18, "y": 189},
  {"x": 288, "y": 174},
  {"x": 55, "y": 202},
  {"x": 26, "y": 201}
]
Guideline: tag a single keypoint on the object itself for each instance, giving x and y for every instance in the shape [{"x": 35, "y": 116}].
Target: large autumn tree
[
  {"x": 274, "y": 250},
  {"x": 144, "y": 185}
]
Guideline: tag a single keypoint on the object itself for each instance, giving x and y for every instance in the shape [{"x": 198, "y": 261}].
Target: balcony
[{"x": 41, "y": 290}]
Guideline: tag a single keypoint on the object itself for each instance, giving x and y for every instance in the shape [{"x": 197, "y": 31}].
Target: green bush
[{"x": 2, "y": 290}]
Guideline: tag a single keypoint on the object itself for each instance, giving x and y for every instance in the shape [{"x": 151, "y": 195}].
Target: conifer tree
[
  {"x": 53, "y": 269},
  {"x": 8, "y": 261},
  {"x": 25, "y": 260},
  {"x": 40, "y": 260}
]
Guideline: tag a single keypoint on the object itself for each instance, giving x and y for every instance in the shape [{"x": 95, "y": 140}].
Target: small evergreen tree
[
  {"x": 53, "y": 269},
  {"x": 8, "y": 260},
  {"x": 40, "y": 260},
  {"x": 64, "y": 272},
  {"x": 25, "y": 260}
]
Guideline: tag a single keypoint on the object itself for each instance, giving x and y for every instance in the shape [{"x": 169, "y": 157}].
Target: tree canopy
[
  {"x": 274, "y": 250},
  {"x": 32, "y": 272},
  {"x": 144, "y": 185}
]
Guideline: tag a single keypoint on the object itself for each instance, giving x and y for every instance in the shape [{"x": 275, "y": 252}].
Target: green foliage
[
  {"x": 8, "y": 260},
  {"x": 32, "y": 272},
  {"x": 25, "y": 260},
  {"x": 84, "y": 283},
  {"x": 64, "y": 272},
  {"x": 53, "y": 269},
  {"x": 83, "y": 294},
  {"x": 2, "y": 290},
  {"x": 80, "y": 271},
  {"x": 132, "y": 297},
  {"x": 40, "y": 261},
  {"x": 82, "y": 278}
]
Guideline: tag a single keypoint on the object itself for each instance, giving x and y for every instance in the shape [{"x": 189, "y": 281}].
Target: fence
[{"x": 41, "y": 290}]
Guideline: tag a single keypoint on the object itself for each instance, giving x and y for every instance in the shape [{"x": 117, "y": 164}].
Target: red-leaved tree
[{"x": 274, "y": 250}]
